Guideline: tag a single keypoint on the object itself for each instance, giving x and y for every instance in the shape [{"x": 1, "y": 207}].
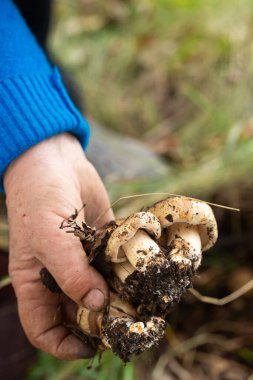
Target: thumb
[{"x": 69, "y": 265}]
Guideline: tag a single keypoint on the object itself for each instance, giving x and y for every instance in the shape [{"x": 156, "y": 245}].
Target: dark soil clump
[
  {"x": 155, "y": 291},
  {"x": 127, "y": 344}
]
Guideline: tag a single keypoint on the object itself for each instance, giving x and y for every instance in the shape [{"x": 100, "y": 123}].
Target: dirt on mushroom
[{"x": 169, "y": 286}]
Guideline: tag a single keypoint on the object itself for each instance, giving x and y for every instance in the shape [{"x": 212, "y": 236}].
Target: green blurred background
[{"x": 178, "y": 76}]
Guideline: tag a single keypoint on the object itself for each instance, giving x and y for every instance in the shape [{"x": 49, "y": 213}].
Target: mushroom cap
[
  {"x": 127, "y": 229},
  {"x": 191, "y": 211}
]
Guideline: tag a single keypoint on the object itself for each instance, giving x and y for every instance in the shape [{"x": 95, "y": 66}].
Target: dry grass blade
[
  {"x": 182, "y": 348},
  {"x": 178, "y": 370},
  {"x": 223, "y": 301},
  {"x": 155, "y": 193},
  {"x": 227, "y": 326}
]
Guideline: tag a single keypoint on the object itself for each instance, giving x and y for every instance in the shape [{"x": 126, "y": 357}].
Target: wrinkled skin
[{"x": 43, "y": 186}]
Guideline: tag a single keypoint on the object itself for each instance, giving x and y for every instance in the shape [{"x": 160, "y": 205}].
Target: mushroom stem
[
  {"x": 141, "y": 250},
  {"x": 185, "y": 243},
  {"x": 127, "y": 230},
  {"x": 92, "y": 322},
  {"x": 122, "y": 270}
]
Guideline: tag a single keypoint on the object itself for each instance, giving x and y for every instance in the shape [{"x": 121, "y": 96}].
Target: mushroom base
[
  {"x": 155, "y": 291},
  {"x": 126, "y": 343}
]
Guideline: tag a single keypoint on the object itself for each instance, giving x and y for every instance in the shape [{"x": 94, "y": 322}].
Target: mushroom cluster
[{"x": 152, "y": 257}]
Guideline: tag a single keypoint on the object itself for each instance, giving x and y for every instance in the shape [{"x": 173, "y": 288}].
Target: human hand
[{"x": 44, "y": 186}]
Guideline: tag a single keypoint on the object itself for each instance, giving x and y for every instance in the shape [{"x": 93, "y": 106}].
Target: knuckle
[
  {"x": 75, "y": 284},
  {"x": 35, "y": 340}
]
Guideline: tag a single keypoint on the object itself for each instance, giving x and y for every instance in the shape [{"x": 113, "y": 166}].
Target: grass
[
  {"x": 162, "y": 71},
  {"x": 108, "y": 367}
]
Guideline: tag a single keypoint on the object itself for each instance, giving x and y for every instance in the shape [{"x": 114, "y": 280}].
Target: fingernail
[{"x": 94, "y": 300}]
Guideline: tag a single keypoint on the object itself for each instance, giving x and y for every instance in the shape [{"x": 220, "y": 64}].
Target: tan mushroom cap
[
  {"x": 191, "y": 211},
  {"x": 126, "y": 231}
]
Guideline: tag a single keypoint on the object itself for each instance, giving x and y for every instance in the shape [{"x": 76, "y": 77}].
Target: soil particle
[{"x": 169, "y": 217}]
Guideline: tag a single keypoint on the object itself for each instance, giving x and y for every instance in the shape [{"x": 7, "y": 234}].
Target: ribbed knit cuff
[{"x": 33, "y": 108}]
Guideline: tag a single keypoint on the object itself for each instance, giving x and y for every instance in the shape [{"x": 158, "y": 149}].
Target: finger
[
  {"x": 41, "y": 318},
  {"x": 69, "y": 311},
  {"x": 98, "y": 210},
  {"x": 69, "y": 265}
]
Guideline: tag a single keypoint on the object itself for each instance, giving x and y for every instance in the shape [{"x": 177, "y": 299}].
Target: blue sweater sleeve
[{"x": 34, "y": 104}]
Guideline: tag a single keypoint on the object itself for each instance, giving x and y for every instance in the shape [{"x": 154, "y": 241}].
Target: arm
[
  {"x": 46, "y": 176},
  {"x": 34, "y": 103}
]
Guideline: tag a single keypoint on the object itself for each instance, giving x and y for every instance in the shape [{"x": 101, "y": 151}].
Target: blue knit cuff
[{"x": 33, "y": 108}]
